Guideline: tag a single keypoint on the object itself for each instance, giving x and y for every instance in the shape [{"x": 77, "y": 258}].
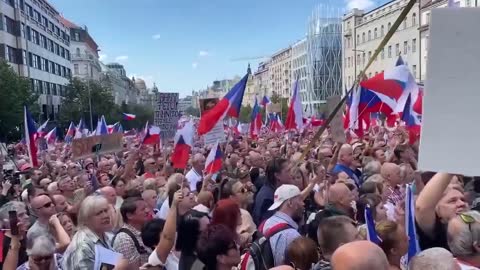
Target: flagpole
[{"x": 90, "y": 104}]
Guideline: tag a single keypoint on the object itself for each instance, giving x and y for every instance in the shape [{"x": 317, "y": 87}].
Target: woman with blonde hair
[{"x": 394, "y": 242}]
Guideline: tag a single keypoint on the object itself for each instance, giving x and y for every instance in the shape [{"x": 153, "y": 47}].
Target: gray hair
[
  {"x": 88, "y": 207},
  {"x": 371, "y": 168},
  {"x": 40, "y": 245},
  {"x": 10, "y": 206},
  {"x": 150, "y": 183},
  {"x": 463, "y": 237},
  {"x": 377, "y": 178},
  {"x": 433, "y": 259}
]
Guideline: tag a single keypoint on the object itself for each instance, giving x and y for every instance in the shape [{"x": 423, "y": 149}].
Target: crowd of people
[{"x": 269, "y": 207}]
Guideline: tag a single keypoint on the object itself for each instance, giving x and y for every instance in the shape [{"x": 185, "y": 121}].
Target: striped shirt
[{"x": 395, "y": 195}]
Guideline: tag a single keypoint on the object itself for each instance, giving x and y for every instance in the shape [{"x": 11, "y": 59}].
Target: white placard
[
  {"x": 216, "y": 134},
  {"x": 167, "y": 114},
  {"x": 451, "y": 125}
]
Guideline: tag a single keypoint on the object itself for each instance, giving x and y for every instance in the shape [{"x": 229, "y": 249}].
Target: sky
[{"x": 184, "y": 45}]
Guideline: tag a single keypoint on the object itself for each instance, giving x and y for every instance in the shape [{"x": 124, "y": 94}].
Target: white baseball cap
[{"x": 283, "y": 193}]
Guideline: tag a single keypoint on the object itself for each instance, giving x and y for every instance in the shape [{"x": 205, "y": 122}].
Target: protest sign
[
  {"x": 274, "y": 107},
  {"x": 336, "y": 126},
  {"x": 95, "y": 145},
  {"x": 105, "y": 259},
  {"x": 450, "y": 119},
  {"x": 167, "y": 114},
  {"x": 218, "y": 132}
]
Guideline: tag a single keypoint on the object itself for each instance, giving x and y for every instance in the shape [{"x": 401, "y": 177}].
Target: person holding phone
[{"x": 15, "y": 222}]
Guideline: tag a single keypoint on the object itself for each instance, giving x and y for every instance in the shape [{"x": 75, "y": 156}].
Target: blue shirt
[
  {"x": 263, "y": 201},
  {"x": 280, "y": 241},
  {"x": 353, "y": 174}
]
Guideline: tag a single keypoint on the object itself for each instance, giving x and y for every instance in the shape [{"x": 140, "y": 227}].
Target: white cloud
[
  {"x": 360, "y": 4},
  {"x": 203, "y": 53},
  {"x": 121, "y": 58},
  {"x": 156, "y": 36},
  {"x": 102, "y": 57},
  {"x": 194, "y": 65}
]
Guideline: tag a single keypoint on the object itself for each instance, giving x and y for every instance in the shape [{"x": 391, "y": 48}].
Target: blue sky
[{"x": 184, "y": 45}]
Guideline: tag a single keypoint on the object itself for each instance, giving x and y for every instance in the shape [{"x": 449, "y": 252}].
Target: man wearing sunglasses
[
  {"x": 463, "y": 236},
  {"x": 47, "y": 222}
]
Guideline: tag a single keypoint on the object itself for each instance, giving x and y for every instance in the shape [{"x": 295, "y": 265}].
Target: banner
[
  {"x": 218, "y": 132},
  {"x": 96, "y": 145},
  {"x": 274, "y": 107},
  {"x": 167, "y": 114},
  {"x": 336, "y": 126}
]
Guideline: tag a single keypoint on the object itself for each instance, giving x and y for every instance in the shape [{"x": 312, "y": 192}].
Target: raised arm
[
  {"x": 167, "y": 237},
  {"x": 428, "y": 199},
  {"x": 63, "y": 240}
]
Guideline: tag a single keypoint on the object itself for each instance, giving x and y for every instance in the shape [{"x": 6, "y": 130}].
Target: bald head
[
  {"x": 359, "y": 255},
  {"x": 345, "y": 155},
  {"x": 391, "y": 173},
  {"x": 205, "y": 198},
  {"x": 340, "y": 195},
  {"x": 109, "y": 193},
  {"x": 198, "y": 162}
]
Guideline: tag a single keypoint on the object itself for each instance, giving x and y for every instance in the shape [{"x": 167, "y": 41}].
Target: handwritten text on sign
[{"x": 167, "y": 114}]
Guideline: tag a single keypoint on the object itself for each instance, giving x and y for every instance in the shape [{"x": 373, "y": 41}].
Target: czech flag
[
  {"x": 102, "y": 128},
  {"x": 183, "y": 142},
  {"x": 275, "y": 123},
  {"x": 228, "y": 106},
  {"x": 51, "y": 136},
  {"x": 256, "y": 121},
  {"x": 413, "y": 246},
  {"x": 30, "y": 134},
  {"x": 70, "y": 133},
  {"x": 412, "y": 121},
  {"x": 295, "y": 112},
  {"x": 81, "y": 131},
  {"x": 152, "y": 135},
  {"x": 372, "y": 235},
  {"x": 128, "y": 116},
  {"x": 265, "y": 101},
  {"x": 213, "y": 163},
  {"x": 117, "y": 128},
  {"x": 40, "y": 129}
]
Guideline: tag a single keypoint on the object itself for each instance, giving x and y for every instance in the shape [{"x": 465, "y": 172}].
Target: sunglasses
[{"x": 47, "y": 205}]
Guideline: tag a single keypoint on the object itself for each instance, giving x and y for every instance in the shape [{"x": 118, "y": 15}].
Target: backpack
[
  {"x": 260, "y": 256},
  {"x": 141, "y": 250}
]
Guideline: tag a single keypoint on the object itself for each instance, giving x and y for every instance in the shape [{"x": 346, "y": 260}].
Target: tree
[
  {"x": 192, "y": 111},
  {"x": 15, "y": 92},
  {"x": 76, "y": 103},
  {"x": 143, "y": 114},
  {"x": 245, "y": 114},
  {"x": 275, "y": 98}
]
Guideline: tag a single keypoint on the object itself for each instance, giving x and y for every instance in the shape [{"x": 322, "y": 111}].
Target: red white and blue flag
[
  {"x": 70, "y": 133},
  {"x": 255, "y": 121},
  {"x": 30, "y": 134},
  {"x": 51, "y": 136},
  {"x": 276, "y": 124},
  {"x": 102, "y": 128},
  {"x": 228, "y": 106},
  {"x": 265, "y": 101},
  {"x": 128, "y": 116},
  {"x": 295, "y": 113},
  {"x": 412, "y": 121},
  {"x": 81, "y": 131},
  {"x": 183, "y": 142},
  {"x": 41, "y": 129},
  {"x": 213, "y": 164},
  {"x": 152, "y": 135}
]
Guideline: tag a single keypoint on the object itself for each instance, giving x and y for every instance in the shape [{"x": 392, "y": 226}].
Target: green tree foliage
[
  {"x": 192, "y": 111},
  {"x": 76, "y": 106},
  {"x": 275, "y": 98},
  {"x": 245, "y": 114},
  {"x": 15, "y": 92}
]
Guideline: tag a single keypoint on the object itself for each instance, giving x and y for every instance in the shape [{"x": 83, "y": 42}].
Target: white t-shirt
[
  {"x": 162, "y": 214},
  {"x": 193, "y": 178},
  {"x": 170, "y": 264},
  {"x": 466, "y": 266}
]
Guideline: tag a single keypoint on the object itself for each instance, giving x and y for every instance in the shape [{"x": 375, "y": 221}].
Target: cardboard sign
[
  {"x": 218, "y": 132},
  {"x": 167, "y": 114},
  {"x": 336, "y": 126},
  {"x": 274, "y": 107},
  {"x": 450, "y": 129},
  {"x": 95, "y": 145}
]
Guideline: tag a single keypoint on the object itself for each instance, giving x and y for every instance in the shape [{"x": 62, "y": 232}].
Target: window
[
  {"x": 50, "y": 45},
  {"x": 383, "y": 53},
  {"x": 62, "y": 51},
  {"x": 397, "y": 50},
  {"x": 369, "y": 35},
  {"x": 405, "y": 47},
  {"x": 363, "y": 58},
  {"x": 50, "y": 67},
  {"x": 405, "y": 23},
  {"x": 77, "y": 36},
  {"x": 390, "y": 51},
  {"x": 363, "y": 37},
  {"x": 35, "y": 38},
  {"x": 9, "y": 25},
  {"x": 57, "y": 49},
  {"x": 69, "y": 73},
  {"x": 382, "y": 31},
  {"x": 427, "y": 16},
  {"x": 358, "y": 39},
  {"x": 44, "y": 21},
  {"x": 77, "y": 52},
  {"x": 29, "y": 10},
  {"x": 57, "y": 69},
  {"x": 57, "y": 31},
  {"x": 51, "y": 27},
  {"x": 54, "y": 89},
  {"x": 414, "y": 19},
  {"x": 389, "y": 26},
  {"x": 467, "y": 3},
  {"x": 414, "y": 71},
  {"x": 42, "y": 63},
  {"x": 64, "y": 71},
  {"x": 369, "y": 55},
  {"x": 375, "y": 33},
  {"x": 414, "y": 45},
  {"x": 24, "y": 56},
  {"x": 22, "y": 30},
  {"x": 67, "y": 54},
  {"x": 358, "y": 59},
  {"x": 47, "y": 88},
  {"x": 36, "y": 16},
  {"x": 11, "y": 54},
  {"x": 46, "y": 65},
  {"x": 42, "y": 41}
]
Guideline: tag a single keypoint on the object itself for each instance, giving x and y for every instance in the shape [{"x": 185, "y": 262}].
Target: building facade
[
  {"x": 184, "y": 104},
  {"x": 123, "y": 88},
  {"x": 300, "y": 72},
  {"x": 426, "y": 7},
  {"x": 363, "y": 32},
  {"x": 84, "y": 53},
  {"x": 280, "y": 73},
  {"x": 36, "y": 44}
]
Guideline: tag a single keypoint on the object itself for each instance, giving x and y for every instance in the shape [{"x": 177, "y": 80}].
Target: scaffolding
[{"x": 324, "y": 55}]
